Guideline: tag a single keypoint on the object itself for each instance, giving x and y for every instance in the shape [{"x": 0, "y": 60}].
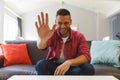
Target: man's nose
[{"x": 63, "y": 26}]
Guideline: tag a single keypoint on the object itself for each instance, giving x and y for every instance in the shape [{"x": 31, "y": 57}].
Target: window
[{"x": 10, "y": 27}]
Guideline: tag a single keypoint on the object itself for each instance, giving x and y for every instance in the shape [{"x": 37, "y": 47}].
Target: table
[{"x": 40, "y": 77}]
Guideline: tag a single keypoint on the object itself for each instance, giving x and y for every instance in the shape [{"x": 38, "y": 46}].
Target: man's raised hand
[{"x": 42, "y": 26}]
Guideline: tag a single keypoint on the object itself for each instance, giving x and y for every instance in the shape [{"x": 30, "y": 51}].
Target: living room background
[{"x": 94, "y": 24}]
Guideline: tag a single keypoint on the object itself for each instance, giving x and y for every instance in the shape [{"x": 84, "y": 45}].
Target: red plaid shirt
[{"x": 74, "y": 46}]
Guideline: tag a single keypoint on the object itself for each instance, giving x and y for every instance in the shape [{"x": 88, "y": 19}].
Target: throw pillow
[
  {"x": 15, "y": 54},
  {"x": 107, "y": 52}
]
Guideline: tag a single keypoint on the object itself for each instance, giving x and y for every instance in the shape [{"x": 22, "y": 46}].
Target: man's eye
[
  {"x": 66, "y": 23},
  {"x": 59, "y": 23}
]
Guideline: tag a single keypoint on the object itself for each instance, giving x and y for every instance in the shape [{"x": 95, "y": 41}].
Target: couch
[{"x": 35, "y": 54}]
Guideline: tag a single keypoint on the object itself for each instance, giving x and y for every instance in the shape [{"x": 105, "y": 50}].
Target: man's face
[{"x": 63, "y": 23}]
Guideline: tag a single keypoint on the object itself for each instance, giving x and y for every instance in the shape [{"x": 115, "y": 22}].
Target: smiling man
[{"x": 68, "y": 50}]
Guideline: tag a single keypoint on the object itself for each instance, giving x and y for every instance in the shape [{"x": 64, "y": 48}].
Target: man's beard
[{"x": 65, "y": 32}]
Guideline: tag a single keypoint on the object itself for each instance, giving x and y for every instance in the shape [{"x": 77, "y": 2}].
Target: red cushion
[{"x": 15, "y": 54}]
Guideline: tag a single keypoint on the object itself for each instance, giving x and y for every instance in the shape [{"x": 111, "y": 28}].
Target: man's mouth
[{"x": 64, "y": 31}]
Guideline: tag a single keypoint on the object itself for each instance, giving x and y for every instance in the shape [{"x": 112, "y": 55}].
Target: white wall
[
  {"x": 1, "y": 19},
  {"x": 103, "y": 26},
  {"x": 93, "y": 25}
]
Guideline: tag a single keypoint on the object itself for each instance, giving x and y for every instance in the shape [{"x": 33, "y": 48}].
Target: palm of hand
[
  {"x": 44, "y": 32},
  {"x": 43, "y": 29}
]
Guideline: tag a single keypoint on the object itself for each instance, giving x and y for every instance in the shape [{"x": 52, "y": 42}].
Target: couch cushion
[
  {"x": 107, "y": 52},
  {"x": 103, "y": 69},
  {"x": 18, "y": 69},
  {"x": 8, "y": 71},
  {"x": 34, "y": 53},
  {"x": 15, "y": 54}
]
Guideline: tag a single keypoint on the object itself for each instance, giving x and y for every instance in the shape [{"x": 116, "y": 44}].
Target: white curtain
[{"x": 10, "y": 27}]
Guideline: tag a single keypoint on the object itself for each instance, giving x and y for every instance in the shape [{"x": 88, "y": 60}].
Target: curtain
[{"x": 19, "y": 32}]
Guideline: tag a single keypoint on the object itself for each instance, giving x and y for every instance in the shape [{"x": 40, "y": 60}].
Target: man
[{"x": 68, "y": 51}]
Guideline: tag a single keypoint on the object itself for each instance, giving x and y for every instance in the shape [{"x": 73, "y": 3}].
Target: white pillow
[{"x": 107, "y": 52}]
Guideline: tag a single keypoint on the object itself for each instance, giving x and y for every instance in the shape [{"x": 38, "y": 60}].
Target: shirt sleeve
[
  {"x": 50, "y": 42},
  {"x": 83, "y": 48}
]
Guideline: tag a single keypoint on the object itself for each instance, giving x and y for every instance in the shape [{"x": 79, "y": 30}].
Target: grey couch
[{"x": 35, "y": 54}]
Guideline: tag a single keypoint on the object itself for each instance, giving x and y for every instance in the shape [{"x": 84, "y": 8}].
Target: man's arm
[
  {"x": 78, "y": 60},
  {"x": 43, "y": 31},
  {"x": 63, "y": 68},
  {"x": 41, "y": 44}
]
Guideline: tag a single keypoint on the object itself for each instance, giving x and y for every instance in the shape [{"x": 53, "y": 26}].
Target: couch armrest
[{"x": 1, "y": 60}]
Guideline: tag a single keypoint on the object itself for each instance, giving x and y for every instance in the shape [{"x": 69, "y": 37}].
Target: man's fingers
[
  {"x": 36, "y": 25},
  {"x": 42, "y": 15},
  {"x": 39, "y": 20},
  {"x": 61, "y": 72},
  {"x": 47, "y": 21},
  {"x": 55, "y": 73}
]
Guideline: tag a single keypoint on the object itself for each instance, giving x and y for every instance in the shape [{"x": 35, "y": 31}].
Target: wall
[
  {"x": 1, "y": 19},
  {"x": 103, "y": 26},
  {"x": 92, "y": 24}
]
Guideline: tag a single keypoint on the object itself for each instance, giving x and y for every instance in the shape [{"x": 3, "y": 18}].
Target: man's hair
[{"x": 63, "y": 12}]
